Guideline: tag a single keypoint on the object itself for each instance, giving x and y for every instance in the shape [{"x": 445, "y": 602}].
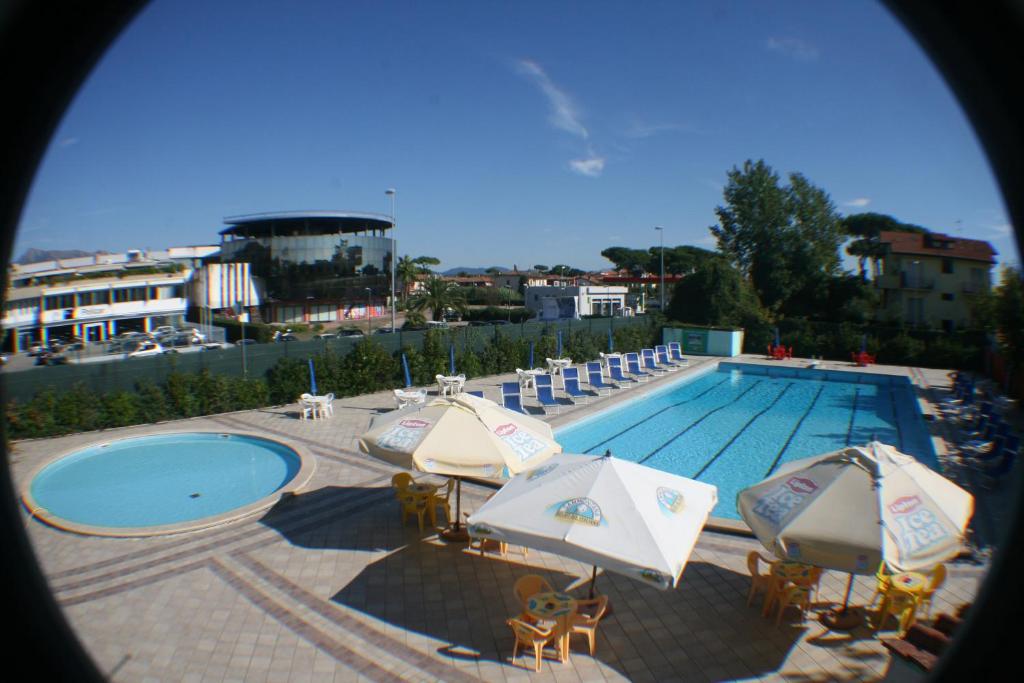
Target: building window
[
  {"x": 947, "y": 266},
  {"x": 321, "y": 314},
  {"x": 58, "y": 301},
  {"x": 129, "y": 294},
  {"x": 947, "y": 296}
]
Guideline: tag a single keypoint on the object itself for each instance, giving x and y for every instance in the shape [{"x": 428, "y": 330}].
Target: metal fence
[{"x": 124, "y": 374}]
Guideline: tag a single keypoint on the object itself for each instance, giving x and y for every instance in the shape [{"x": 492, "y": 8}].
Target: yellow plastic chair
[
  {"x": 530, "y": 635},
  {"x": 901, "y": 605},
  {"x": 414, "y": 505},
  {"x": 442, "y": 497},
  {"x": 588, "y": 614},
  {"x": 793, "y": 596},
  {"x": 401, "y": 481},
  {"x": 758, "y": 581},
  {"x": 938, "y": 578},
  {"x": 528, "y": 586},
  {"x": 884, "y": 582}
]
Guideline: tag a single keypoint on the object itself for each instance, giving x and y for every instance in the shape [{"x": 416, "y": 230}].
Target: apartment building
[{"x": 928, "y": 279}]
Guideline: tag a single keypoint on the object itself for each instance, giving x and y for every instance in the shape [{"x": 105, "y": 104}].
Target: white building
[
  {"x": 553, "y": 303},
  {"x": 95, "y": 297}
]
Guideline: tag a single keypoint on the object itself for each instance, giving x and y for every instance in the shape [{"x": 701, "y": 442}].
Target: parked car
[
  {"x": 164, "y": 329},
  {"x": 147, "y": 348},
  {"x": 437, "y": 325},
  {"x": 50, "y": 358},
  {"x": 325, "y": 335},
  {"x": 384, "y": 330},
  {"x": 285, "y": 336},
  {"x": 198, "y": 336},
  {"x": 245, "y": 342},
  {"x": 177, "y": 341},
  {"x": 349, "y": 332}
]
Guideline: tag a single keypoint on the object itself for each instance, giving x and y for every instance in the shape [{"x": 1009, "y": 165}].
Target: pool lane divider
[
  {"x": 853, "y": 415},
  {"x": 652, "y": 415},
  {"x": 778, "y": 457},
  {"x": 896, "y": 416},
  {"x": 742, "y": 429},
  {"x": 697, "y": 422}
]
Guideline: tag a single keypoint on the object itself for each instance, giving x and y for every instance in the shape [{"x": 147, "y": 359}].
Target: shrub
[{"x": 119, "y": 409}]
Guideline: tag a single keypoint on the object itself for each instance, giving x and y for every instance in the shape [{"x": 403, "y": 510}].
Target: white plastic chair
[{"x": 326, "y": 405}]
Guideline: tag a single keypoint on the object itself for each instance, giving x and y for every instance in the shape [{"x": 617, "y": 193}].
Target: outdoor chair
[
  {"x": 647, "y": 355},
  {"x": 661, "y": 355},
  {"x": 404, "y": 397},
  {"x": 759, "y": 581},
  {"x": 597, "y": 383},
  {"x": 307, "y": 409},
  {"x": 414, "y": 505},
  {"x": 793, "y": 596},
  {"x": 903, "y": 607},
  {"x": 546, "y": 393},
  {"x": 588, "y": 614},
  {"x": 510, "y": 397},
  {"x": 938, "y": 578},
  {"x": 992, "y": 476},
  {"x": 401, "y": 481},
  {"x": 442, "y": 499},
  {"x": 530, "y": 636},
  {"x": 676, "y": 350},
  {"x": 571, "y": 384},
  {"x": 527, "y": 586},
  {"x": 883, "y": 582},
  {"x": 615, "y": 371},
  {"x": 633, "y": 367},
  {"x": 326, "y": 406}
]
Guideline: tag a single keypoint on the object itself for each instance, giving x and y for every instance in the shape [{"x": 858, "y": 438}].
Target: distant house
[
  {"x": 513, "y": 279},
  {"x": 643, "y": 289},
  {"x": 552, "y": 303},
  {"x": 928, "y": 278}
]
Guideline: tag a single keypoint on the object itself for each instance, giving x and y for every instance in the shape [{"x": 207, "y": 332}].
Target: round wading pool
[{"x": 164, "y": 484}]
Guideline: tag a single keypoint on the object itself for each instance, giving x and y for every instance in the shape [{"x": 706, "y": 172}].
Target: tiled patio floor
[{"x": 329, "y": 585}]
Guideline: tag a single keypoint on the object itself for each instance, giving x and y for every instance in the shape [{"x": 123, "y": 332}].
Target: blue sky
[{"x": 515, "y": 133}]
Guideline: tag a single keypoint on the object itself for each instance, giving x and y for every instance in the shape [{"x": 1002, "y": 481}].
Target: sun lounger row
[{"x": 620, "y": 371}]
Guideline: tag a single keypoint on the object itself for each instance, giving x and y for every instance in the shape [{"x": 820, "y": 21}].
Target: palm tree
[
  {"x": 437, "y": 295},
  {"x": 407, "y": 269}
]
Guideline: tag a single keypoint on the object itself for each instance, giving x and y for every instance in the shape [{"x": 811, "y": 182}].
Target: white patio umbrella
[
  {"x": 607, "y": 512},
  {"x": 852, "y": 508},
  {"x": 464, "y": 436}
]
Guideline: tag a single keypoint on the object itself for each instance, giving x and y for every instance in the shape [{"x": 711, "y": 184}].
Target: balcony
[{"x": 904, "y": 281}]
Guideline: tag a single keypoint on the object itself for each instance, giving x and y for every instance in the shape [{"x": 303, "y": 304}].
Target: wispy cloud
[
  {"x": 646, "y": 130},
  {"x": 589, "y": 167},
  {"x": 858, "y": 203},
  {"x": 564, "y": 116},
  {"x": 67, "y": 142},
  {"x": 794, "y": 48}
]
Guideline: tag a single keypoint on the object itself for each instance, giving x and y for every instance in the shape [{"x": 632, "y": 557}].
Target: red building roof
[{"x": 937, "y": 244}]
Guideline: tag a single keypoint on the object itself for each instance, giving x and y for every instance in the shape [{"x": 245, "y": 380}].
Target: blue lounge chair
[
  {"x": 661, "y": 353},
  {"x": 676, "y": 351},
  {"x": 571, "y": 382},
  {"x": 992, "y": 476},
  {"x": 546, "y": 393},
  {"x": 597, "y": 382},
  {"x": 647, "y": 355},
  {"x": 478, "y": 394},
  {"x": 615, "y": 371},
  {"x": 633, "y": 367},
  {"x": 510, "y": 397}
]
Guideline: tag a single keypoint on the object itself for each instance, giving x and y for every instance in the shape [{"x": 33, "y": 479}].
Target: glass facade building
[{"x": 314, "y": 266}]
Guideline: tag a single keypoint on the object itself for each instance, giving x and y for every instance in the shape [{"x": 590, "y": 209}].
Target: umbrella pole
[
  {"x": 593, "y": 579},
  {"x": 845, "y": 618},
  {"x": 456, "y": 533}
]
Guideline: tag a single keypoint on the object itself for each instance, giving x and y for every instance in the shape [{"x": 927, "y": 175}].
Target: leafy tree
[
  {"x": 679, "y": 260},
  {"x": 865, "y": 228},
  {"x": 425, "y": 263},
  {"x": 779, "y": 237},
  {"x": 1010, "y": 316},
  {"x": 715, "y": 294},
  {"x": 636, "y": 261},
  {"x": 414, "y": 319},
  {"x": 369, "y": 368},
  {"x": 437, "y": 295},
  {"x": 541, "y": 268}
]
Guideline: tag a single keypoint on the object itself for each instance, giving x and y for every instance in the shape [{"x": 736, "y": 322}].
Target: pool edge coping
[{"x": 307, "y": 468}]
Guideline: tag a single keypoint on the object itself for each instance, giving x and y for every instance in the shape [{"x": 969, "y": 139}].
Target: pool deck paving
[{"x": 329, "y": 585}]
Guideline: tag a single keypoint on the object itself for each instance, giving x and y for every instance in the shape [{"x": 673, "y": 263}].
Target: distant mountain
[
  {"x": 471, "y": 271},
  {"x": 36, "y": 255}
]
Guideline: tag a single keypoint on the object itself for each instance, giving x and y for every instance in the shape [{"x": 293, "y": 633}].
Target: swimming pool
[
  {"x": 157, "y": 484},
  {"x": 735, "y": 424}
]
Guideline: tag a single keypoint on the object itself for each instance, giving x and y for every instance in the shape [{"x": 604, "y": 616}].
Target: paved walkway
[{"x": 329, "y": 585}]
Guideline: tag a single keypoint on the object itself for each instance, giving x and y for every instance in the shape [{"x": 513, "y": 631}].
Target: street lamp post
[
  {"x": 661, "y": 284},
  {"x": 369, "y": 318},
  {"x": 393, "y": 193}
]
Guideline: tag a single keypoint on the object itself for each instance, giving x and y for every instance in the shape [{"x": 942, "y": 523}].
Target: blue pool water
[
  {"x": 166, "y": 479},
  {"x": 736, "y": 424}
]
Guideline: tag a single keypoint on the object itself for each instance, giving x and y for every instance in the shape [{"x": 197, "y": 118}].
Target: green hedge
[{"x": 366, "y": 368}]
